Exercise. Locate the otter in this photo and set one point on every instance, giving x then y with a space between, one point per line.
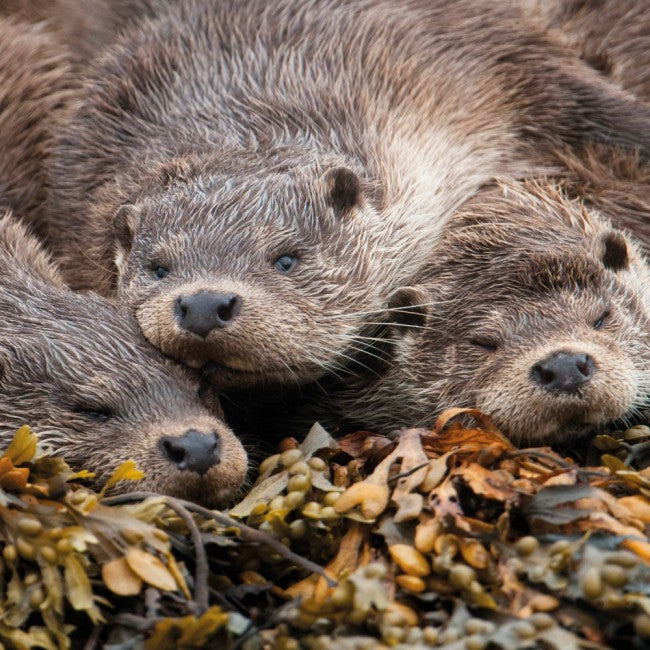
36 86
77 370
533 309
83 27
254 180
615 183
611 36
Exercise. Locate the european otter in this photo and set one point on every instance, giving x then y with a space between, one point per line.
84 27
611 36
77 370
36 86
532 309
615 183
254 179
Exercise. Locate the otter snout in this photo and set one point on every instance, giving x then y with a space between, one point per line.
563 372
205 311
194 451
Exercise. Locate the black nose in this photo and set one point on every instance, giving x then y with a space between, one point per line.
563 372
193 450
203 312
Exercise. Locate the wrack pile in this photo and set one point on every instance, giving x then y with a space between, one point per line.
446 538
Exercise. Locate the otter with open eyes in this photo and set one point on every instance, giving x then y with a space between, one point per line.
532 309
77 370
272 302
253 180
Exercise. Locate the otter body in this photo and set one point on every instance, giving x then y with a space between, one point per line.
254 179
36 86
77 370
611 36
546 329
613 182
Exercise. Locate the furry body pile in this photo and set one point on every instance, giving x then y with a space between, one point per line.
408 205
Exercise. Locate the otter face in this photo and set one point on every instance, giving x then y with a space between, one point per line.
79 373
262 278
539 319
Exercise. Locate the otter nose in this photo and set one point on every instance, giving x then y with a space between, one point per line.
563 372
205 311
193 450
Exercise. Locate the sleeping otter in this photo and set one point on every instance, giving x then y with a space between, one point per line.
78 371
532 309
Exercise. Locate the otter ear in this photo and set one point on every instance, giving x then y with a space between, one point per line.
408 307
125 221
343 189
615 254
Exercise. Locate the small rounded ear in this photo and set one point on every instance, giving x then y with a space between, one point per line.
343 189
409 307
125 221
615 254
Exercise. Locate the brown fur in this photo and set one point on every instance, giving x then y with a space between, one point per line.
615 183
77 370
613 36
218 126
521 274
35 88
84 27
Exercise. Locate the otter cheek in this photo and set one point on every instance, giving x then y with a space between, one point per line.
521 411
156 319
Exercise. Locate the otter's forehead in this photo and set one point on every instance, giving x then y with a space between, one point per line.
552 273
230 227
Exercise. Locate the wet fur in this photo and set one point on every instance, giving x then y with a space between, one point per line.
63 354
615 183
500 278
36 86
210 119
611 36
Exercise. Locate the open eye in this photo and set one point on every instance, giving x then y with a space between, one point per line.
160 272
601 320
285 263
484 342
94 414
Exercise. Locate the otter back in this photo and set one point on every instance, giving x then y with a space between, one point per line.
35 87
613 37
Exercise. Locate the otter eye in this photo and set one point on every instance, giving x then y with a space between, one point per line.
485 343
160 272
600 322
96 415
285 263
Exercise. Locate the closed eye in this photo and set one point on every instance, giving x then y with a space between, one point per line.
599 322
94 414
486 343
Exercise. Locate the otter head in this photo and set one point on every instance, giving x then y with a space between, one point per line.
259 277
536 312
78 371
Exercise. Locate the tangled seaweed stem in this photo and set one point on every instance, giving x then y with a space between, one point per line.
201 602
397 477
636 451
93 639
246 532
139 623
555 460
